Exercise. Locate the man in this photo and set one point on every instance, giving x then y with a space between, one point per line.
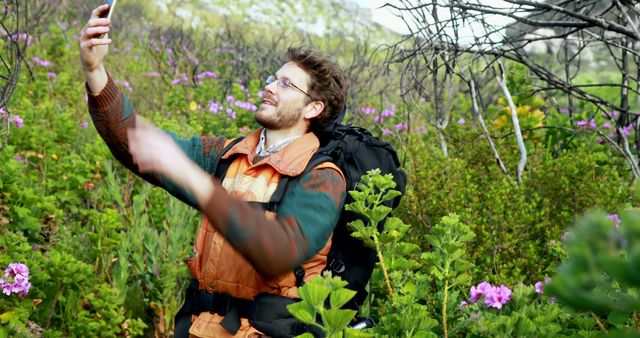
241 251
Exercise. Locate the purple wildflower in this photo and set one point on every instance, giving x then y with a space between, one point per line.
377 119
42 63
538 286
151 74
387 113
480 290
52 75
260 93
498 296
582 124
627 130
606 125
16 279
401 126
18 121
84 124
208 74
387 132
231 114
421 130
462 120
616 220
214 107
463 304
230 98
368 110
22 36
2 111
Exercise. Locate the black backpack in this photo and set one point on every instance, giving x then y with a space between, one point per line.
355 151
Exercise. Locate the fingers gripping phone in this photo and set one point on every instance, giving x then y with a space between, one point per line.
107 13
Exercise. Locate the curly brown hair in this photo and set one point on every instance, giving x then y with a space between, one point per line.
328 84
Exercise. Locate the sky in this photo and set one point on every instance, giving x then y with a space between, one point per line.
386 18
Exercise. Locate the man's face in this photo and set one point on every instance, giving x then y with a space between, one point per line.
282 108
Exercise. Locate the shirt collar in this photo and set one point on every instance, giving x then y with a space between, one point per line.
261 151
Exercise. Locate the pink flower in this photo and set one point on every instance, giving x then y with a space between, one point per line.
498 297
84 124
387 113
386 132
42 63
16 279
2 111
538 286
478 291
151 74
462 121
463 304
606 125
208 74
18 121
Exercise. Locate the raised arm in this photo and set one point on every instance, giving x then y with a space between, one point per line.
113 114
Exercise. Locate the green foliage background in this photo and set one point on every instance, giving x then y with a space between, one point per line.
105 250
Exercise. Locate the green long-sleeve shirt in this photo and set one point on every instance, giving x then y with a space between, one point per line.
306 218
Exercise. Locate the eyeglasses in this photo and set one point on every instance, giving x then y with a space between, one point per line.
285 83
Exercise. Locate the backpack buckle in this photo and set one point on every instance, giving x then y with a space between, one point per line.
337 266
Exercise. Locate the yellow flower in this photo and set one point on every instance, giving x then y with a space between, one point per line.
193 105
54 157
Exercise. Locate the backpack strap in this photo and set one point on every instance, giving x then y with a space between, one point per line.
221 165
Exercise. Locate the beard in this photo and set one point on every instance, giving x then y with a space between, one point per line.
286 116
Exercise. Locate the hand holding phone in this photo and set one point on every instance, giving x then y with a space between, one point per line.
107 13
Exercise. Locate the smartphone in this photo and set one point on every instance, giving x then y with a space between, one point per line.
107 13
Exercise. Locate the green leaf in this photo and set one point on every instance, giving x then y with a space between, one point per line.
618 318
391 194
314 294
340 297
379 213
305 335
338 319
351 333
303 311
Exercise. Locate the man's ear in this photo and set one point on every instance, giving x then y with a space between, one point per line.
314 109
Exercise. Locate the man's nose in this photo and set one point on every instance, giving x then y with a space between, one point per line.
271 87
